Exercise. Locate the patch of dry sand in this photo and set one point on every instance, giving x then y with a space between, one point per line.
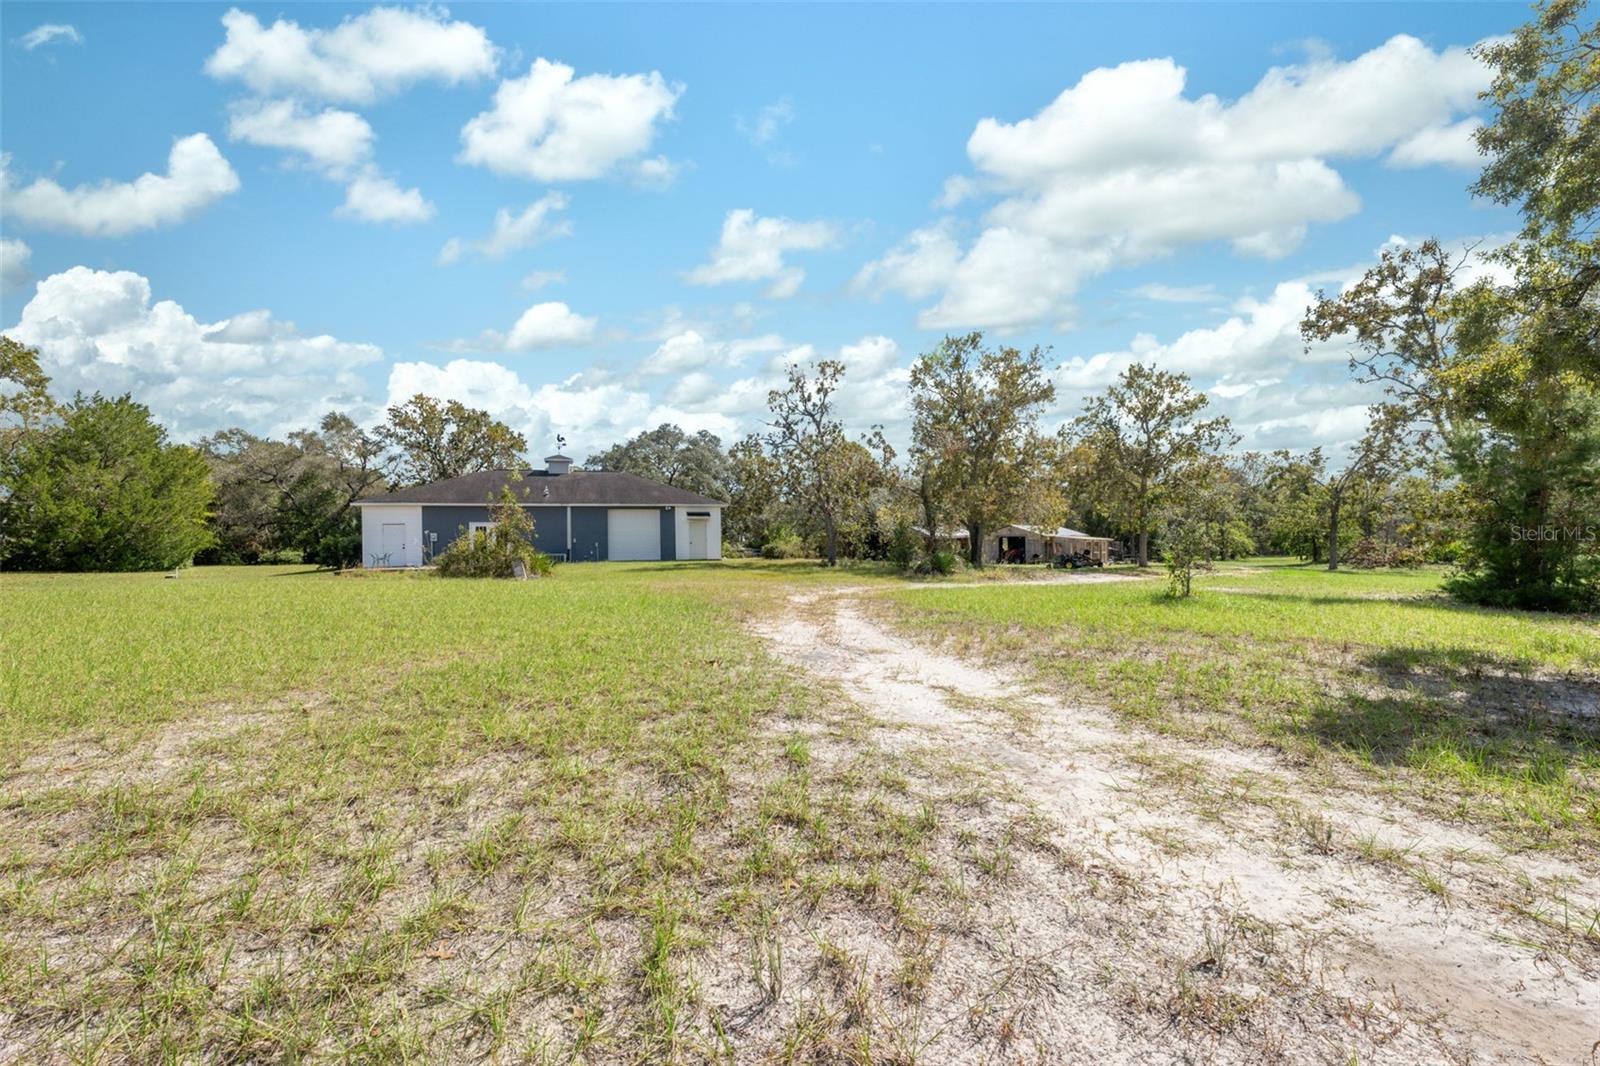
1357 955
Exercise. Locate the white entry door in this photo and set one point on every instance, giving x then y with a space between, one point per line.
394 543
698 528
633 534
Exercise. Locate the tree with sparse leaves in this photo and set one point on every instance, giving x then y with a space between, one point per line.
495 552
1398 313
25 403
817 467
975 442
1143 431
444 440
1381 451
1195 494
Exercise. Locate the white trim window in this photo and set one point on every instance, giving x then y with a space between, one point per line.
474 528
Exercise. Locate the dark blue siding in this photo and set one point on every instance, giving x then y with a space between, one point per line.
549 525
589 534
669 534
550 529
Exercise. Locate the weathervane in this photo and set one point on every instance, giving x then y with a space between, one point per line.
561 443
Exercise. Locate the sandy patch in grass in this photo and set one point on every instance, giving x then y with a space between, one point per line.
154 754
1308 925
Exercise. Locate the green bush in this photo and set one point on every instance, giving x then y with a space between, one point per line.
939 562
903 546
1188 546
101 488
1369 553
785 545
496 552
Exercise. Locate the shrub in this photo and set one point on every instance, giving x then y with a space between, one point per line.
938 562
1189 547
337 546
101 488
496 552
1444 551
1369 553
785 545
902 546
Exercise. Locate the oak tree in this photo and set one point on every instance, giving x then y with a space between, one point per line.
975 439
444 440
692 461
1143 431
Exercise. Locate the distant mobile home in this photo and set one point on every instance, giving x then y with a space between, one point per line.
578 515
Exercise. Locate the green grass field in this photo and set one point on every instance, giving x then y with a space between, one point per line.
264 814
270 814
1475 709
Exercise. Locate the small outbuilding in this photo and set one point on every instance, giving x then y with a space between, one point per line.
1017 543
578 515
1070 542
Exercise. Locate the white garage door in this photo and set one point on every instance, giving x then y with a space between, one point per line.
633 534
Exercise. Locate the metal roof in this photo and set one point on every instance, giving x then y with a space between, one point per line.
593 487
1062 533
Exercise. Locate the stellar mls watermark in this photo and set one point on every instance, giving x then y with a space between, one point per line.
1551 533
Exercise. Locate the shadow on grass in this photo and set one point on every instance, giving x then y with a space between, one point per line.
1456 664
1468 715
1505 684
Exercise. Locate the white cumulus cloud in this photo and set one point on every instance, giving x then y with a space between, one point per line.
920 266
364 58
330 139
371 197
544 325
1010 278
1454 145
339 144
591 415
551 126
690 351
1256 367
99 330
1126 165
751 248
197 176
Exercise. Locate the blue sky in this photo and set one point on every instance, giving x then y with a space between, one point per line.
590 219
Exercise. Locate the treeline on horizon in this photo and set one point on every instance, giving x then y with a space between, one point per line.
1485 452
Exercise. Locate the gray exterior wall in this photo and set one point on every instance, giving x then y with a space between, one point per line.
589 529
549 525
588 534
669 534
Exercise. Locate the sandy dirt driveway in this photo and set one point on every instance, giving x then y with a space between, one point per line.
1252 927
